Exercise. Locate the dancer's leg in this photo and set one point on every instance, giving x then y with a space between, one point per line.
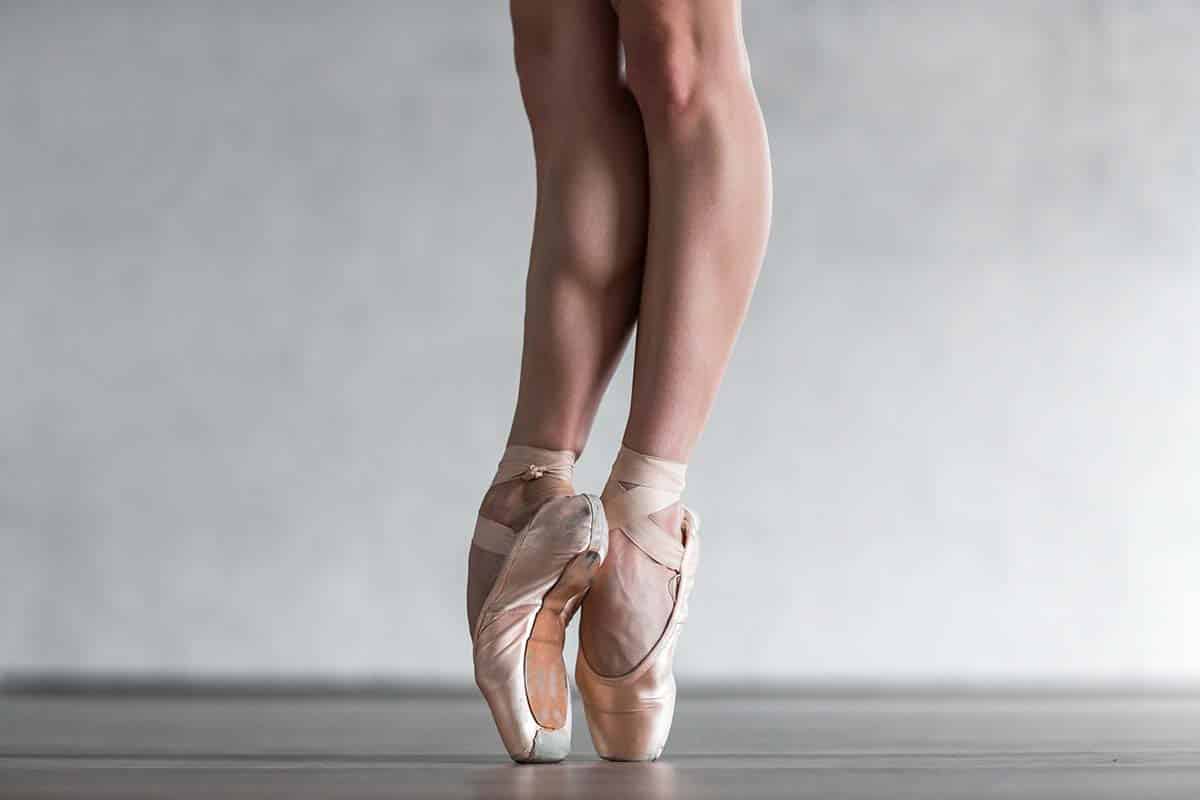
588 246
709 209
590 226
709 174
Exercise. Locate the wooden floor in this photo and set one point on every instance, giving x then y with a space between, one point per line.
808 746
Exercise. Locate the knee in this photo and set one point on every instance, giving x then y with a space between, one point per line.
675 64
533 40
543 62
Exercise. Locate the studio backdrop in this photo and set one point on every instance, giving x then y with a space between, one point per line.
261 272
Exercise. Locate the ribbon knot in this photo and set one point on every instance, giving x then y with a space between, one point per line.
533 472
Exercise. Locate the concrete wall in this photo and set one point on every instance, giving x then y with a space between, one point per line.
260 291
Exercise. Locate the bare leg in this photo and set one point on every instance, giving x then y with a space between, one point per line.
709 216
585 267
709 210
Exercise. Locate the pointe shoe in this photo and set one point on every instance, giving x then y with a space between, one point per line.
630 714
519 633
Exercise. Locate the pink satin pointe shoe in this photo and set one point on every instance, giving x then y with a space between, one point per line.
630 713
545 568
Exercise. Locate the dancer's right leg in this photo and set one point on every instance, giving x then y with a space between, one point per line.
589 239
536 545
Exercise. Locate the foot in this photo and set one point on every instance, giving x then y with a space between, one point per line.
511 504
631 598
536 548
633 613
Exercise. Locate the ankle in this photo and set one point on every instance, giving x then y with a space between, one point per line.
670 519
514 503
525 479
644 438
662 477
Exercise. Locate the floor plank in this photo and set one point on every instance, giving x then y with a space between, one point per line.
814 746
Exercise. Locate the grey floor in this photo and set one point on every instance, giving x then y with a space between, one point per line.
826 746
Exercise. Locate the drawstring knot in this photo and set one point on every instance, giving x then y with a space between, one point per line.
521 463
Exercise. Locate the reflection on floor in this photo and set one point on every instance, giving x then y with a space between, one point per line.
918 745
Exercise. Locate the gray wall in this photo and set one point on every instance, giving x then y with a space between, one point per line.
260 292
